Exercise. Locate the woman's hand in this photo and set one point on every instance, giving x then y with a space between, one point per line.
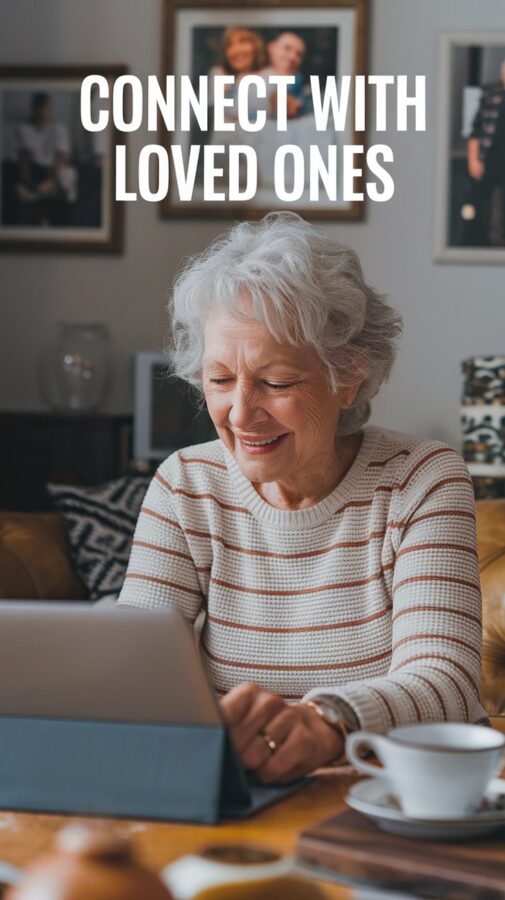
302 741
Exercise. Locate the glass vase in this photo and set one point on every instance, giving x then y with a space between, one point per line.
75 367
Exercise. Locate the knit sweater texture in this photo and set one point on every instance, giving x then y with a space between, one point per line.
372 595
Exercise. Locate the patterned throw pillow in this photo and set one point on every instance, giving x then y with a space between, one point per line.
100 522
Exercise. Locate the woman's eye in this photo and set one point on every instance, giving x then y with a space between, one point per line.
276 386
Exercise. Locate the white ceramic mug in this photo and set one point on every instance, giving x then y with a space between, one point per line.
435 770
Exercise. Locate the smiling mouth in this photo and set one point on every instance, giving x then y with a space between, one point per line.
263 446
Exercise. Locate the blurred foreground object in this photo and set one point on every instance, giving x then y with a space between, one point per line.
89 863
236 872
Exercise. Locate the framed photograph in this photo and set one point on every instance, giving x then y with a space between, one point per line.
470 225
288 37
56 178
165 415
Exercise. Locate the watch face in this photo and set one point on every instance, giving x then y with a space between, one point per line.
329 713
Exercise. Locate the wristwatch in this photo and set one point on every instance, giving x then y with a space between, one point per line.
334 718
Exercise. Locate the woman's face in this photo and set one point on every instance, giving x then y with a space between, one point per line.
286 53
271 403
240 52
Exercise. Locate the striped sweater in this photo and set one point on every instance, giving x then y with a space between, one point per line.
371 595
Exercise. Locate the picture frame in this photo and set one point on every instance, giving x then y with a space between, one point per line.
57 180
470 211
330 38
165 415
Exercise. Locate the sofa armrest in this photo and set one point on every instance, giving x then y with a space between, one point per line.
491 546
498 722
35 561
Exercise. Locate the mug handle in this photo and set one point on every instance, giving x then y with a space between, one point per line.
373 742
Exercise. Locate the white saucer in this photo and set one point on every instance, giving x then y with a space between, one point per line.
372 798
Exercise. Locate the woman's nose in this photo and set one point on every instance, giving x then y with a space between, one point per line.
244 409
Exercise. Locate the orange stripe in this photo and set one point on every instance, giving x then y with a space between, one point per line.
384 462
359 504
436 637
447 579
179 587
401 486
386 704
168 550
203 496
432 515
451 662
422 461
157 515
456 685
459 479
272 554
411 698
320 667
206 462
439 609
267 629
435 691
440 546
301 591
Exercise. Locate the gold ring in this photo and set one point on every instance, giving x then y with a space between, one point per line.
271 744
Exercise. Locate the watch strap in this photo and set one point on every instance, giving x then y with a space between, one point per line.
337 724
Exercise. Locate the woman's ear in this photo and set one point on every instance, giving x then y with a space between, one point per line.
355 376
348 394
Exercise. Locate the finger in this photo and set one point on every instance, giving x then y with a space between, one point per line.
256 753
299 771
296 753
281 724
236 704
262 746
257 719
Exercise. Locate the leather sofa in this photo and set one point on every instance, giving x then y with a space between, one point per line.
491 547
35 559
35 564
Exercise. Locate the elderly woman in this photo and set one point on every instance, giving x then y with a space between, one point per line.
335 562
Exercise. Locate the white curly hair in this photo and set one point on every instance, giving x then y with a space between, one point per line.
305 287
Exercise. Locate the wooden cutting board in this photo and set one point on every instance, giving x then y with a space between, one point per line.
353 846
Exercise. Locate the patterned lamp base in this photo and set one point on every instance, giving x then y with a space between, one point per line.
483 424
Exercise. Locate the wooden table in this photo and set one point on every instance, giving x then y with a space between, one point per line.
24 836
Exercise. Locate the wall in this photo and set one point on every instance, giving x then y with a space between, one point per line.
450 311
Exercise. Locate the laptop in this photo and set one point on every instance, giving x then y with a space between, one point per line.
109 711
